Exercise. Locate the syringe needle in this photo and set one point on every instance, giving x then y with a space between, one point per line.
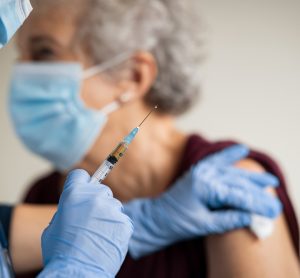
111 161
147 116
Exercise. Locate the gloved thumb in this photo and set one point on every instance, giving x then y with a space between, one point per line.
75 177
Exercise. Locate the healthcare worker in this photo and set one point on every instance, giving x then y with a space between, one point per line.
91 240
89 223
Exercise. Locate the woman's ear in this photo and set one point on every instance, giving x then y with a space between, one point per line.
143 73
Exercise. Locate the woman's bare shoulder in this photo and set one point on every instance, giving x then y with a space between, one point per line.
241 254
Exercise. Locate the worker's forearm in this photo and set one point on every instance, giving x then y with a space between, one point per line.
27 225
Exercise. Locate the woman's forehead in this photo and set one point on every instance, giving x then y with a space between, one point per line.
49 26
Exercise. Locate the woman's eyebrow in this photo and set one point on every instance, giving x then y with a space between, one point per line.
43 39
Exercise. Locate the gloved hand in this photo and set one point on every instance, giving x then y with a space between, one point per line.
89 234
213 197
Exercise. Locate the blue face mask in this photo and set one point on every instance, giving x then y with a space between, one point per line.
49 115
12 15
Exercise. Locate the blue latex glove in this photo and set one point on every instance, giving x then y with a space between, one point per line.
193 206
89 234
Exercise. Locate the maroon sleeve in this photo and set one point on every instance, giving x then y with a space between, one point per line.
44 191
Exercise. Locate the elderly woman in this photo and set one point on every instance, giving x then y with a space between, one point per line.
135 54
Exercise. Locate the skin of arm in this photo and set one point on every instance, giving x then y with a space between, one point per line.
241 254
28 223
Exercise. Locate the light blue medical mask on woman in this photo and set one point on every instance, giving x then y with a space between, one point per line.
48 114
12 15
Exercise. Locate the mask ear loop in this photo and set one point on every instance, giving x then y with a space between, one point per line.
112 107
107 65
125 97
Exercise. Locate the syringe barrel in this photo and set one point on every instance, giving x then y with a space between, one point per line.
102 171
110 162
118 152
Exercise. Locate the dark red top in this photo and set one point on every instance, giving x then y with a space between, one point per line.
185 259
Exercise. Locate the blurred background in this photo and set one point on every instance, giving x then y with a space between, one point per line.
251 90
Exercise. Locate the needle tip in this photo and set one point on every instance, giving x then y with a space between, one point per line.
156 106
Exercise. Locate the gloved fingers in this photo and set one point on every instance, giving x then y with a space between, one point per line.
260 179
248 198
75 177
208 168
243 182
229 155
228 220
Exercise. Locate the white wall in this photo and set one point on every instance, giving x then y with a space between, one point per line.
251 89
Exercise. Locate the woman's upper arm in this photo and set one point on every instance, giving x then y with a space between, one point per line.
241 254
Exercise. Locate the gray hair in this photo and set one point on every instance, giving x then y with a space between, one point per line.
169 29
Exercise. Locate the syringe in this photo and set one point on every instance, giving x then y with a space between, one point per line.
110 162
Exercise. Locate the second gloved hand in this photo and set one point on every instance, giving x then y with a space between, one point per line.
89 234
213 197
